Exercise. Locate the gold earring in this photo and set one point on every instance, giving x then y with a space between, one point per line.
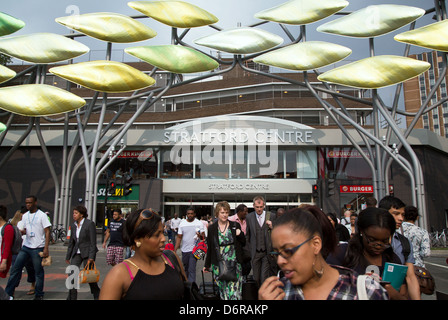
138 244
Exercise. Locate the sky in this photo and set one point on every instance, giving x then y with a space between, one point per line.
40 15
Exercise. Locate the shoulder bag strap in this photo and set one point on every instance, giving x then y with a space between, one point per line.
361 287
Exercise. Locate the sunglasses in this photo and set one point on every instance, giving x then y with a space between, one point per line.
287 253
145 215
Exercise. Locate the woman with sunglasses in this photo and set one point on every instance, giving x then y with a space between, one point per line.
149 274
301 240
370 248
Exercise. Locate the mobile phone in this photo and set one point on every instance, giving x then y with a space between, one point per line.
383 283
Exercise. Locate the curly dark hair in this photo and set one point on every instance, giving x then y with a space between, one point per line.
82 210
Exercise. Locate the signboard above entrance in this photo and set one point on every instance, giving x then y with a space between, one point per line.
239 130
356 189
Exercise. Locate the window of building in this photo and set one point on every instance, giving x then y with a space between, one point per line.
216 162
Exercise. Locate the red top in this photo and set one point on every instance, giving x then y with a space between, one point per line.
6 244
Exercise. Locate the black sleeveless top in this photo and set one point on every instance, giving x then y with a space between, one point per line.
166 286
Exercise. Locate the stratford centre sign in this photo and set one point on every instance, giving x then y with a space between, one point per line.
209 140
238 136
239 130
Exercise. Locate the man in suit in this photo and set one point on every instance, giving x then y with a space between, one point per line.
82 247
258 237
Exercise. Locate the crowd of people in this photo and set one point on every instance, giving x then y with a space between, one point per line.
297 254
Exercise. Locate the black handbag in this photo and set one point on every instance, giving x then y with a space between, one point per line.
227 270
191 289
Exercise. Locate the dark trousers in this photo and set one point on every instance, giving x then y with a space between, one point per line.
261 267
94 289
189 262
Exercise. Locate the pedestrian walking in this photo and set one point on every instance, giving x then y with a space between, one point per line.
225 242
370 248
401 245
114 233
419 237
37 229
342 233
6 242
301 239
190 232
31 275
82 247
240 215
175 227
148 274
258 237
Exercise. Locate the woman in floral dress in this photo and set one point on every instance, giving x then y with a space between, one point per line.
225 237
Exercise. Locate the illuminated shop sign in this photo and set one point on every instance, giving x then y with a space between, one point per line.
356 189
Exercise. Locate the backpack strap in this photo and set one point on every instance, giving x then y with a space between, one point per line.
405 245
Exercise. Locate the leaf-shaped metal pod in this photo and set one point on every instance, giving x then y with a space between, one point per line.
107 26
178 14
6 74
376 72
9 24
299 12
373 21
305 55
104 76
241 40
433 36
42 48
35 100
173 58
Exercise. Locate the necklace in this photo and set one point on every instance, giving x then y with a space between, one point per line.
225 227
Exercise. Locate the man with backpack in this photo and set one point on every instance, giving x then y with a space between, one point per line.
401 245
36 227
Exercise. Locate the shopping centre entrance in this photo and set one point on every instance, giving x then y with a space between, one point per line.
204 204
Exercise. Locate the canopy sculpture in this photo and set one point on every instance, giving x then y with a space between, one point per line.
108 26
37 100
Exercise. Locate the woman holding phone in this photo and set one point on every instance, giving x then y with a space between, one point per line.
301 239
